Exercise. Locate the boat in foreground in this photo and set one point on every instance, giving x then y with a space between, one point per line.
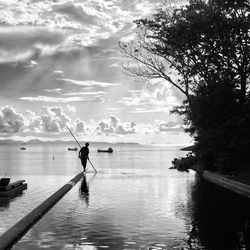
13 188
109 150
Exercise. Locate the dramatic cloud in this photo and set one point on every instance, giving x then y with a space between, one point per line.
22 43
10 120
50 124
75 12
33 123
49 119
65 53
115 126
54 120
34 28
80 126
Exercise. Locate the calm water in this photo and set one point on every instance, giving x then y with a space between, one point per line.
133 202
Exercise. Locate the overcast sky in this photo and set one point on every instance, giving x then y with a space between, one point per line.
60 64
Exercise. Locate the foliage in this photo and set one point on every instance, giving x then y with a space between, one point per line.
184 163
203 49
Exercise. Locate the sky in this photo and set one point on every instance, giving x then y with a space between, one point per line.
60 64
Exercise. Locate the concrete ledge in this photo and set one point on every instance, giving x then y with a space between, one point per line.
16 232
227 183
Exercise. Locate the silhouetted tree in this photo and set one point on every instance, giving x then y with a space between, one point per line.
202 49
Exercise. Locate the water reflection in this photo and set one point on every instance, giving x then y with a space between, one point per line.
84 188
219 218
5 201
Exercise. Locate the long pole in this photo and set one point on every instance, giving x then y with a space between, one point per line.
74 137
80 147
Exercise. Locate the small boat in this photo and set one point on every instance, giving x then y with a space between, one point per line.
72 149
11 189
22 148
109 150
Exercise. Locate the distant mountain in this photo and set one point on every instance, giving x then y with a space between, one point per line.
37 141
9 141
125 143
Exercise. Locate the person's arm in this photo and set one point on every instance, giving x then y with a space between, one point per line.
79 153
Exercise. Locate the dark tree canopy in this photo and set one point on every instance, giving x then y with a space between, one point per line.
202 49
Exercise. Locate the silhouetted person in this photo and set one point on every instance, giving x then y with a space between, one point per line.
84 190
84 155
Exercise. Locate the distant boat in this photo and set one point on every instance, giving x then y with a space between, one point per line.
22 148
72 149
109 150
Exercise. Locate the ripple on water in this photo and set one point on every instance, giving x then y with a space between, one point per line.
130 204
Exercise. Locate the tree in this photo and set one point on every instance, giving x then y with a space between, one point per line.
202 49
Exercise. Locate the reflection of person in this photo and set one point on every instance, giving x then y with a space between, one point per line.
84 190
84 155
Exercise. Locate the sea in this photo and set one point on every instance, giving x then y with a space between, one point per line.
134 201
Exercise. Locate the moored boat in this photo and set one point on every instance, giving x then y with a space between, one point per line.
109 150
72 149
22 148
12 188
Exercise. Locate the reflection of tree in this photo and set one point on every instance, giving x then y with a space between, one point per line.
219 218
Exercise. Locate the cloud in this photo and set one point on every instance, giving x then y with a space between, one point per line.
50 124
80 126
83 23
57 90
89 83
49 119
164 126
76 12
95 93
114 126
152 110
33 123
71 108
58 99
58 72
22 43
156 96
10 120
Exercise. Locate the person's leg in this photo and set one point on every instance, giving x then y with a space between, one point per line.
84 163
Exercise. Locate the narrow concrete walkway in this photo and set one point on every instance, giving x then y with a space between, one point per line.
16 232
228 183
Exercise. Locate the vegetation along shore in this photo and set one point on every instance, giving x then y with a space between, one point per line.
203 50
